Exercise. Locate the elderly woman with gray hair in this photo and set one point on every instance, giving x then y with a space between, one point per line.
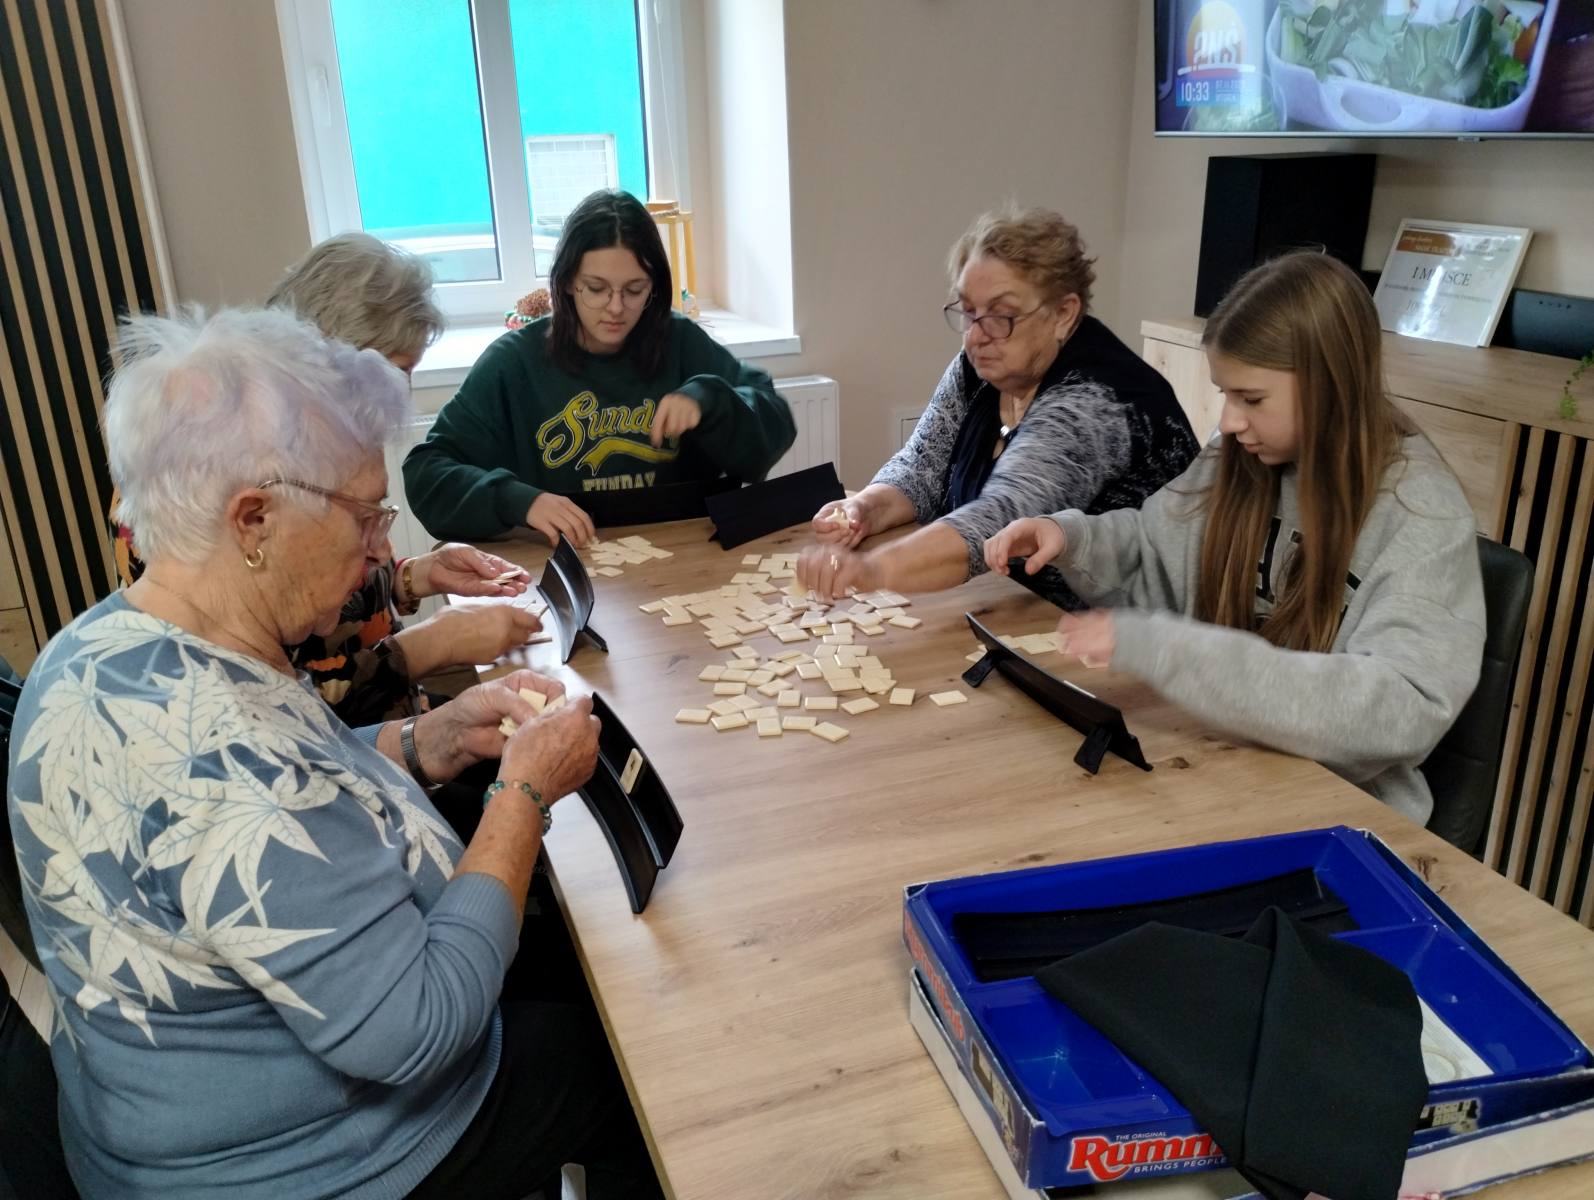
360 290
1042 404
275 970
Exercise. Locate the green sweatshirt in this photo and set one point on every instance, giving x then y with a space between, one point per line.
519 426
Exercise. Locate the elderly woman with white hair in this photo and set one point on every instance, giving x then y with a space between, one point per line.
360 290
275 970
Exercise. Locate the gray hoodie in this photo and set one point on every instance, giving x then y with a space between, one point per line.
1403 664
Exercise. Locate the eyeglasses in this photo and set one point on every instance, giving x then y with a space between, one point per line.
996 326
374 519
596 295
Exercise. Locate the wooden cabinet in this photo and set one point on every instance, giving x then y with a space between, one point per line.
1528 473
1184 365
17 645
1473 447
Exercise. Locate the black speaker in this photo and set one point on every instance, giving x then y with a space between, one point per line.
1259 206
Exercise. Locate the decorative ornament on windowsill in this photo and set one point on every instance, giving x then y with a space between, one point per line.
675 232
528 308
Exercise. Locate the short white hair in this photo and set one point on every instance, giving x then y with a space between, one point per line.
199 407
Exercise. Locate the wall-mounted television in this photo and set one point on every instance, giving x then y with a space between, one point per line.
1375 68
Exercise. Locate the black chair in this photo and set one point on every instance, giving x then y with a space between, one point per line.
1465 766
13 917
32 1166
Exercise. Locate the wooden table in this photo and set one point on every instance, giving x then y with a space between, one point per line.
757 1007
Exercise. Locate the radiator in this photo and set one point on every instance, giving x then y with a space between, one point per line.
813 400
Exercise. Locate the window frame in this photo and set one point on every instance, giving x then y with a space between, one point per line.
326 160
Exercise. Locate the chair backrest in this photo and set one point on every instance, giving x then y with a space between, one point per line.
32 1166
13 917
1464 767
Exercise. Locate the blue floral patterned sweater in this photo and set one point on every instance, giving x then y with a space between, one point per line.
267 981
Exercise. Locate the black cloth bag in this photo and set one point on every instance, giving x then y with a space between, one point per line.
1298 1052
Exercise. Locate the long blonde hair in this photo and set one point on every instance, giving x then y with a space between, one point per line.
1311 315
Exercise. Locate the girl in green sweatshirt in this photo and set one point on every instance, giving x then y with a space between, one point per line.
1312 582
613 393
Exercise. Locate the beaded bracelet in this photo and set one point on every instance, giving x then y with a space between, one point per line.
499 785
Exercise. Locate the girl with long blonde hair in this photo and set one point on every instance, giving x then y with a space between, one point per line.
1311 583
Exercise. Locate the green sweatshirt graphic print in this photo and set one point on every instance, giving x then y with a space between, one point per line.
519 426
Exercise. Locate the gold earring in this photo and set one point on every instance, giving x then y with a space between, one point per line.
255 559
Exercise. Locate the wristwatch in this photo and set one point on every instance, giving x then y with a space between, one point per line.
391 654
404 581
412 758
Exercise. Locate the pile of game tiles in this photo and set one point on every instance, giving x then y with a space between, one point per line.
752 691
609 558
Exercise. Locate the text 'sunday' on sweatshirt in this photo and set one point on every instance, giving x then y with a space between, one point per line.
1405 660
519 425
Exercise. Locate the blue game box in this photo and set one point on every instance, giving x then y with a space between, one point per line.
1072 1109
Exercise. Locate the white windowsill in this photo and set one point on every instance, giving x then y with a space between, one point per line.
451 357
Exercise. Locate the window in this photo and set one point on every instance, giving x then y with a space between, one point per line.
466 130
560 170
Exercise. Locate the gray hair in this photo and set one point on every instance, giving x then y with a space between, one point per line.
1037 243
198 408
361 290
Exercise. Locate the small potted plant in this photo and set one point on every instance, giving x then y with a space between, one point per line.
528 308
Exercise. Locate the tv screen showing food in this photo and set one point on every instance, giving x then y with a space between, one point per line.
1376 68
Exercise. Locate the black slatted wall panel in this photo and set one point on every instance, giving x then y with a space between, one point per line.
74 253
1542 835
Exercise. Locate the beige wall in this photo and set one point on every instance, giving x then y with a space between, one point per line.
1547 186
908 117
694 65
749 184
215 110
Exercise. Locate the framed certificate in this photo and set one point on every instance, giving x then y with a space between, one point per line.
1447 282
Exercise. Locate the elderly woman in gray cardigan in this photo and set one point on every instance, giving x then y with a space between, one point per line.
275 971
1042 409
